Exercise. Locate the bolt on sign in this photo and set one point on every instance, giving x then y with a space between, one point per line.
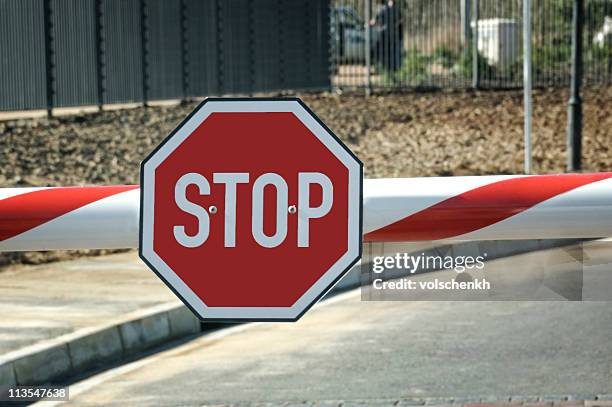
251 209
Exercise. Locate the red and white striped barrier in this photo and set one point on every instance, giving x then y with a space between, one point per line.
69 218
402 209
488 207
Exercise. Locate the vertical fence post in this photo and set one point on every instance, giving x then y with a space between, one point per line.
332 64
220 55
466 29
49 63
368 47
99 53
465 22
143 37
251 30
527 81
184 50
574 109
475 64
306 35
281 44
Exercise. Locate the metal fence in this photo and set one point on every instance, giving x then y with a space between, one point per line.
431 43
56 53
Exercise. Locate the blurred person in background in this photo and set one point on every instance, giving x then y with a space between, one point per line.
388 50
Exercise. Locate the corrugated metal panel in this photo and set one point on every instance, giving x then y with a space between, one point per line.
22 55
164 59
266 45
74 45
191 48
235 42
202 55
121 51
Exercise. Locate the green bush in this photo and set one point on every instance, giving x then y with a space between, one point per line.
550 56
415 67
546 60
416 64
444 56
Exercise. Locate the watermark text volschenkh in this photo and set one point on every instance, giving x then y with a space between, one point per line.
412 264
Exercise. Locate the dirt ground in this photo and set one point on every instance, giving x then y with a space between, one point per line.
395 135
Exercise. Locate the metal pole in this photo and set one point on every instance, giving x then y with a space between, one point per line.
574 109
368 48
475 73
527 81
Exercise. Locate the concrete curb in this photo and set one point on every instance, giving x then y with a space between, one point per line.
79 351
84 349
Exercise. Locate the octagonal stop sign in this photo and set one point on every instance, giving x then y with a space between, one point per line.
250 209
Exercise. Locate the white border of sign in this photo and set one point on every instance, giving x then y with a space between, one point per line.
329 278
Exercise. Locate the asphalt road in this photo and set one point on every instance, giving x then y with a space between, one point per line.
354 350
347 349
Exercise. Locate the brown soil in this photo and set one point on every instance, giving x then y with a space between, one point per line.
395 135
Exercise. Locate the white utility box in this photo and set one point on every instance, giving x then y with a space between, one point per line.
498 40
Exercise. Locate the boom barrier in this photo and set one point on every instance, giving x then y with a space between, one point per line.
394 209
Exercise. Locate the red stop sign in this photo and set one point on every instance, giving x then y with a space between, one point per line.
250 209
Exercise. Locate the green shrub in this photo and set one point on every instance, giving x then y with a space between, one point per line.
444 56
551 56
416 64
415 67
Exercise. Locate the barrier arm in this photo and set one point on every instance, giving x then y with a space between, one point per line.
397 209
